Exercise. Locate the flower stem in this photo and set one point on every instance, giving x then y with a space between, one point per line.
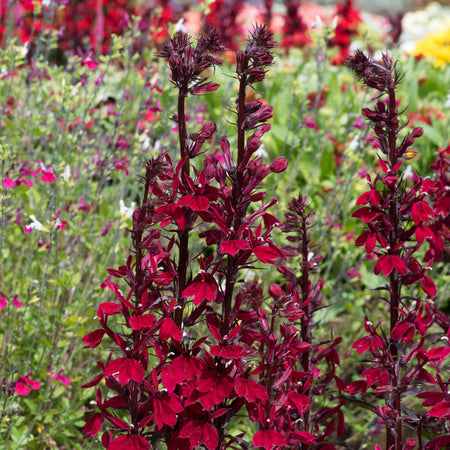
183 235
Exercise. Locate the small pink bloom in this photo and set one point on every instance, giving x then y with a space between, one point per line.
17 304
89 62
309 122
64 380
27 183
22 389
3 302
8 183
33 384
48 177
99 79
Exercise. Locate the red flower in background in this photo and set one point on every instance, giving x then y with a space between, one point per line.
348 19
294 29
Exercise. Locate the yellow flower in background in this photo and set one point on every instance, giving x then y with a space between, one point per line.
435 45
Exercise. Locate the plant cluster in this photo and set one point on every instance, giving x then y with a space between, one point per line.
197 342
88 26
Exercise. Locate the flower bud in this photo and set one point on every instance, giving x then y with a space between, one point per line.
278 165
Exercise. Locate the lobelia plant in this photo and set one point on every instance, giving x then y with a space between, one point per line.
400 236
190 349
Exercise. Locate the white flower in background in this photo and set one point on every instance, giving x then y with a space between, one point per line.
447 103
35 224
356 45
24 50
317 23
74 91
124 210
417 24
408 173
179 27
46 3
145 140
261 151
334 23
354 144
66 174
379 54
3 73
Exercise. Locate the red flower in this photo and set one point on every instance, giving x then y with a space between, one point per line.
421 212
387 263
250 390
200 432
129 442
166 409
127 368
268 439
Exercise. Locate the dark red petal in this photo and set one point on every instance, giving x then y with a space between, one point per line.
142 322
232 247
268 439
428 286
266 254
442 409
93 339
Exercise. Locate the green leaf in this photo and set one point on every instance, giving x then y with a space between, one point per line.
433 135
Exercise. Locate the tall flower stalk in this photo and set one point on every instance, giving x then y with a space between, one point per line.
183 369
397 218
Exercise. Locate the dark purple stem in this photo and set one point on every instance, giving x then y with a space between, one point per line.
306 318
232 266
391 438
183 235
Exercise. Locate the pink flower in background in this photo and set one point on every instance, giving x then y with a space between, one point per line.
24 383
309 122
48 176
3 302
89 62
8 183
15 302
60 377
